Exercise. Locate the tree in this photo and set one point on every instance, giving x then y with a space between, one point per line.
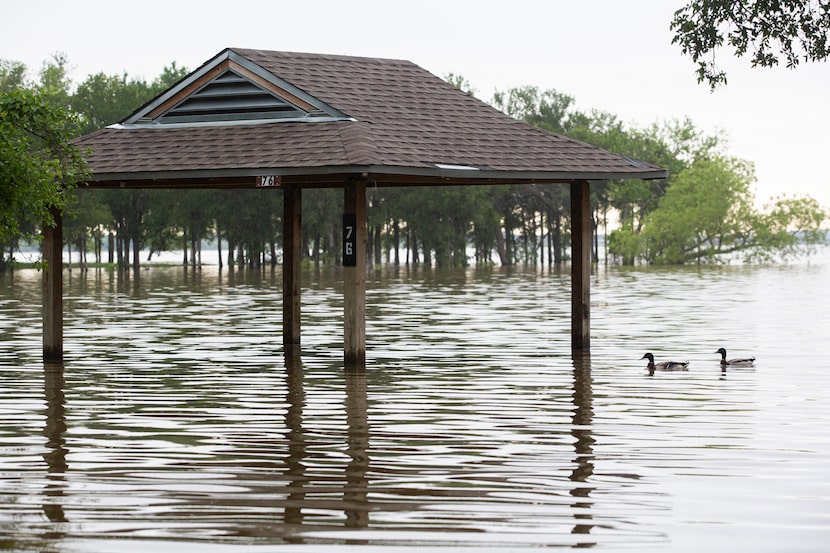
462 84
12 76
793 30
55 83
537 211
106 99
321 223
101 100
170 75
87 219
673 145
546 109
38 164
707 213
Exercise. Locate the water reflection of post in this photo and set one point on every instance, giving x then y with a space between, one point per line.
355 494
295 397
54 430
581 431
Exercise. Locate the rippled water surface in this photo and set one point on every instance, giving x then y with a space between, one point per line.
177 423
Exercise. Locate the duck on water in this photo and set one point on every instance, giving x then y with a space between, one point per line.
737 362
664 365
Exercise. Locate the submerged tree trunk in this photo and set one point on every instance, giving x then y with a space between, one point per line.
408 244
557 239
501 248
194 251
219 245
118 240
82 261
333 257
594 239
136 253
315 249
414 244
378 245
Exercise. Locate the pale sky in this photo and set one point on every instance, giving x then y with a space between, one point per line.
612 55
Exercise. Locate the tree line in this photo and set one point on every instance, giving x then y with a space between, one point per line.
702 212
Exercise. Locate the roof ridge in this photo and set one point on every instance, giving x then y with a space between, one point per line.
317 55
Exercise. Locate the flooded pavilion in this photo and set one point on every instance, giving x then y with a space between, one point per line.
289 121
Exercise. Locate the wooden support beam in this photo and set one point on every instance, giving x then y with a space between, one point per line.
53 290
581 265
292 264
354 274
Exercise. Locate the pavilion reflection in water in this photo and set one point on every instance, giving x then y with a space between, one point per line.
307 493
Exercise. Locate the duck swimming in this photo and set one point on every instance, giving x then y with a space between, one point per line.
664 365
738 362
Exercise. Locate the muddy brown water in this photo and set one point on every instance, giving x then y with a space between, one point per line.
176 422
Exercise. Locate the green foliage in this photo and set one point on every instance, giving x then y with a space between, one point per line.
706 211
55 84
769 30
441 218
790 227
322 216
167 218
39 165
546 109
461 83
37 161
103 99
106 99
249 219
12 76
626 243
701 213
707 214
170 75
673 144
87 219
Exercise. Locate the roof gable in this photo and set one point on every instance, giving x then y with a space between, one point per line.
229 89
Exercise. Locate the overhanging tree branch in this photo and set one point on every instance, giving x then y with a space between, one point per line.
770 30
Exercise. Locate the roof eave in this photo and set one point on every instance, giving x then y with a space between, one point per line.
381 174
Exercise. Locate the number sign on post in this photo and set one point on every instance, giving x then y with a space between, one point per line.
267 181
349 240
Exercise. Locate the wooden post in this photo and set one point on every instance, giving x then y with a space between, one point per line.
292 263
354 274
53 290
581 265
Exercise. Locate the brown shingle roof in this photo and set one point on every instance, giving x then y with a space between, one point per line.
402 121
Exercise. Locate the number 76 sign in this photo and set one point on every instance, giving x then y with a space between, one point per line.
349 239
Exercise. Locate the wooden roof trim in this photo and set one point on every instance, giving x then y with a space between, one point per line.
189 89
215 72
230 61
271 87
334 176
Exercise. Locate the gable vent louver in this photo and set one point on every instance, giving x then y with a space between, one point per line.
230 97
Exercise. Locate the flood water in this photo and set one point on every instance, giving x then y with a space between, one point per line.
177 423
